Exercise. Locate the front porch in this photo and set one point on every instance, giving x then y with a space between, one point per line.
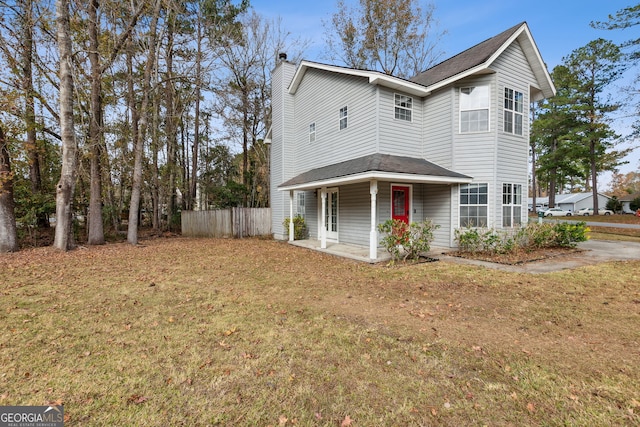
396 174
356 252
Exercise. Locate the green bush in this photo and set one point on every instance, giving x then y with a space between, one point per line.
568 235
407 241
300 231
533 236
615 205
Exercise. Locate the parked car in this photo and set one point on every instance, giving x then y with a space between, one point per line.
589 211
556 212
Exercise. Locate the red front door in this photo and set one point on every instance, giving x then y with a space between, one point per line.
400 203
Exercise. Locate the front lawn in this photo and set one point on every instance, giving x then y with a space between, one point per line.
255 332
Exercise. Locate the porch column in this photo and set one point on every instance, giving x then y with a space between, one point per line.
373 234
291 235
323 224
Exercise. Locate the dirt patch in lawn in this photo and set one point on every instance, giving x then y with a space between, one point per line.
519 257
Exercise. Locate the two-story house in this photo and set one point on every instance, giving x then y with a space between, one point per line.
352 148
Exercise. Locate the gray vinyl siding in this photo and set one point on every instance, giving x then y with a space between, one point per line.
437 207
311 213
354 214
399 137
513 72
439 122
318 100
475 153
282 158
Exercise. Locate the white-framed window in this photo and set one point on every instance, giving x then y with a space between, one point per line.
312 132
511 205
474 203
300 208
403 107
513 111
474 109
343 117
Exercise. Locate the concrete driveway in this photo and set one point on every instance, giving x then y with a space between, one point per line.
594 251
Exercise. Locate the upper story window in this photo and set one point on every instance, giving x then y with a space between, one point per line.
404 107
474 109
343 117
312 132
513 111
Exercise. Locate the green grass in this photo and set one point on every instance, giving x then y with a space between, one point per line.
254 332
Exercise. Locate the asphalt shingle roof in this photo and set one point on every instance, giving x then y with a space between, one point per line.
466 60
374 163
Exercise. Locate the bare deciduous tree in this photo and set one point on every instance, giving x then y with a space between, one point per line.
397 37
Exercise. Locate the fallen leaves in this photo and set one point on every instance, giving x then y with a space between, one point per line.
137 399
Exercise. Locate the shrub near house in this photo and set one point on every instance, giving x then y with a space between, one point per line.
533 236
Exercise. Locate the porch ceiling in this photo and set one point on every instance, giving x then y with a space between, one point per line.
382 167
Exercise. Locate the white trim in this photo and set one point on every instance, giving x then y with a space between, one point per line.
528 46
513 112
373 233
346 118
490 222
460 110
375 78
411 110
523 35
380 176
324 233
311 141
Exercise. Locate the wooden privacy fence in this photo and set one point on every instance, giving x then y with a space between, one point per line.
233 222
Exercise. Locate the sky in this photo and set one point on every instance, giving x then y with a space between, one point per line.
558 27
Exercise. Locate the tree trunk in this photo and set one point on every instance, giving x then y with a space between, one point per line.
171 127
155 169
8 232
66 186
594 177
31 144
96 228
134 205
196 138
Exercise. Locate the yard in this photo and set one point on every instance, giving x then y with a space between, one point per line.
256 332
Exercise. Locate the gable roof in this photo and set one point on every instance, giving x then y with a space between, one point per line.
475 60
374 166
374 77
478 59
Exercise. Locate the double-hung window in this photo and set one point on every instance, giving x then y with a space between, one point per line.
513 111
301 210
343 117
403 107
511 205
474 109
473 205
312 132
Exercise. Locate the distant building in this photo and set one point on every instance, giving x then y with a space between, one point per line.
626 202
571 202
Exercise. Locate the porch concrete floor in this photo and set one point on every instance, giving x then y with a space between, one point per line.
355 252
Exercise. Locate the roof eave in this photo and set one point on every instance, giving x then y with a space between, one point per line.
376 175
375 78
532 53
